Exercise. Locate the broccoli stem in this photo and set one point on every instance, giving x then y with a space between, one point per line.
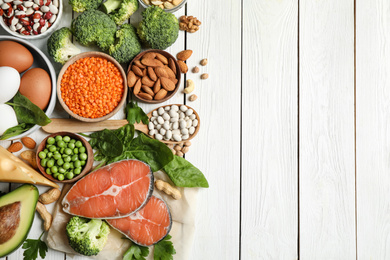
111 5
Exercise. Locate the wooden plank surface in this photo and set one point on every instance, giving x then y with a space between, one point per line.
372 128
326 130
269 130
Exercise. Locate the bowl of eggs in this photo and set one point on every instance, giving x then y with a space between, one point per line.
27 88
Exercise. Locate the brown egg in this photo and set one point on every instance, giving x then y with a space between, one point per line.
15 55
35 84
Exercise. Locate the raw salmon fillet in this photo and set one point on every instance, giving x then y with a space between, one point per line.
115 190
148 225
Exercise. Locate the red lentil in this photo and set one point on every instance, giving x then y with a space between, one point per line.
92 87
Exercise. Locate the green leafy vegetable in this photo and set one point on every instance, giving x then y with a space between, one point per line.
16 130
27 112
136 114
184 174
164 249
107 142
33 246
136 252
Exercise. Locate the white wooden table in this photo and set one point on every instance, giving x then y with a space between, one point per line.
295 136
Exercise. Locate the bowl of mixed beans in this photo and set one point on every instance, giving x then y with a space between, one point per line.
92 86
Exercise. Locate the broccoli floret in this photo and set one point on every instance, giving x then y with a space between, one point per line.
158 28
87 236
60 46
120 10
83 5
94 26
127 44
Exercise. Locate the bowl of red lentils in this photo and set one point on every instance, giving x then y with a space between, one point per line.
92 86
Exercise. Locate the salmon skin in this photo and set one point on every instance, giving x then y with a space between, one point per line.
147 226
116 190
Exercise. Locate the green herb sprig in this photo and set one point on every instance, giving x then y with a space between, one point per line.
33 246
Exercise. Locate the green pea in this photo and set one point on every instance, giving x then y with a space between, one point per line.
51 140
66 139
75 157
61 144
46 150
68 151
58 138
83 156
66 165
44 162
54 169
71 146
62 150
60 177
50 163
82 163
60 162
72 141
48 171
42 155
69 175
82 149
57 156
77 163
55 175
71 165
79 144
49 154
52 148
61 170
77 170
76 150
67 159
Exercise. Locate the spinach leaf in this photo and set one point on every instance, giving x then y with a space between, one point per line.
27 112
125 134
150 151
136 114
16 130
108 143
184 174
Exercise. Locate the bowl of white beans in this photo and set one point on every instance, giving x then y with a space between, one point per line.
174 123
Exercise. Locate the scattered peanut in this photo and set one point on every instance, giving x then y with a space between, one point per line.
168 189
189 23
204 76
195 69
185 149
50 196
177 148
45 215
190 86
187 143
179 153
193 97
30 157
203 62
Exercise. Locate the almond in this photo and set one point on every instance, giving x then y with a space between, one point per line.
184 55
162 58
152 62
151 74
167 84
160 72
170 73
149 55
157 86
147 90
161 94
145 96
29 142
131 79
139 64
183 67
15 147
144 72
137 71
147 81
137 87
172 65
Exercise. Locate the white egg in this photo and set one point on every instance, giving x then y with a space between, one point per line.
8 118
9 84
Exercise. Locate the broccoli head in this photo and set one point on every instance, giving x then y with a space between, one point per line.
60 46
87 236
158 28
83 5
120 10
127 45
94 26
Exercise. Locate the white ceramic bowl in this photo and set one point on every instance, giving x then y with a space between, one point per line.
38 36
40 61
172 10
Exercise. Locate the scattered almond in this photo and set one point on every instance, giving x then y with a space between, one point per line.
15 147
183 67
28 142
184 55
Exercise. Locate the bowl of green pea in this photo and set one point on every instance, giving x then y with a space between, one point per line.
64 157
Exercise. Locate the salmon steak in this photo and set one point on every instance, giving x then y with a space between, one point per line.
116 190
147 226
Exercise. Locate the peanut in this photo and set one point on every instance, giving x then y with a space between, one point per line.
168 189
195 69
193 97
179 153
30 157
185 149
50 196
190 86
45 215
203 62
204 76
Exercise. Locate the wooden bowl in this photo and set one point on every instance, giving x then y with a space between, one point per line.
87 167
84 55
177 72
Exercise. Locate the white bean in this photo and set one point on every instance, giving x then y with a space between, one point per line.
166 116
29 11
55 2
167 108
174 119
183 108
168 135
53 9
45 9
183 124
12 28
175 125
163 131
184 131
185 137
173 113
177 138
195 123
182 115
160 120
189 112
188 123
166 125
192 117
151 126
158 127
158 137
17 2
155 122
175 108
153 118
176 132
1 2
28 4
154 113
18 26
191 130
152 132
161 111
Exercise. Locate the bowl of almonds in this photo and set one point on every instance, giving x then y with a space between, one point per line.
154 76
168 5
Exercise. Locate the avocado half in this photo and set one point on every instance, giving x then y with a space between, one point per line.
17 209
